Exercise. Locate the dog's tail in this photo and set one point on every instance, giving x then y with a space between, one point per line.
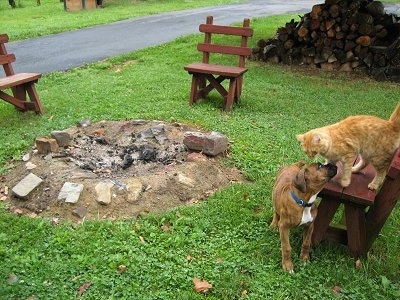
395 118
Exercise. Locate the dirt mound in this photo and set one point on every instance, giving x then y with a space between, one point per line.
144 164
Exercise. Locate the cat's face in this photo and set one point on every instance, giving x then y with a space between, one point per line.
312 143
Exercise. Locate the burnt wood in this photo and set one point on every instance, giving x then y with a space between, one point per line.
18 89
207 76
365 211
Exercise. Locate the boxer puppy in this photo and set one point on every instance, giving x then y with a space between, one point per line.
293 196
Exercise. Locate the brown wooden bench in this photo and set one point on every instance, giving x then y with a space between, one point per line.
14 88
216 73
365 211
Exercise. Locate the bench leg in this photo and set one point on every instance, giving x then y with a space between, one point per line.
356 229
231 96
381 210
19 99
34 97
326 211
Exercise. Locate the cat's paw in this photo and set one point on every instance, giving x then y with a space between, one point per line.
373 186
345 182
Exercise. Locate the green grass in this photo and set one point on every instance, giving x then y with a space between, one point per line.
30 20
225 240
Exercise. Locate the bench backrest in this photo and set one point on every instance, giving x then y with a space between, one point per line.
5 58
209 47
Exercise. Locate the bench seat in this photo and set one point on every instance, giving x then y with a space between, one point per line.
227 71
18 79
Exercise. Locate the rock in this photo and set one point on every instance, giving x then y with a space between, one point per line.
80 212
196 157
46 145
134 188
26 185
103 190
70 192
63 138
30 166
211 144
215 144
26 157
194 140
185 180
85 123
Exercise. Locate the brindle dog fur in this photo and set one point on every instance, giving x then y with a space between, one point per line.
305 182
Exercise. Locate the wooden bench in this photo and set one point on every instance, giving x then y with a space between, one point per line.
215 73
365 211
20 85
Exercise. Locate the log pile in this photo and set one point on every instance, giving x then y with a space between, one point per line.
343 35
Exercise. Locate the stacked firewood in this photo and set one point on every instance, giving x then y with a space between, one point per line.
344 35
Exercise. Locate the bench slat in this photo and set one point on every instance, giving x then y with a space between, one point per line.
358 191
6 59
17 79
224 49
229 71
228 30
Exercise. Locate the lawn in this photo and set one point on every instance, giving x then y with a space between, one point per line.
224 240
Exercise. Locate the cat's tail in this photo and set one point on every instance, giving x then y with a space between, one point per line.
395 117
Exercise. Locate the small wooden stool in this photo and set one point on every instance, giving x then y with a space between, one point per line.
365 211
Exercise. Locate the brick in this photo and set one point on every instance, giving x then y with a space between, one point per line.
46 145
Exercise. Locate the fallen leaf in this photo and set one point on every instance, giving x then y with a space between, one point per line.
337 290
83 288
358 264
141 239
121 269
201 286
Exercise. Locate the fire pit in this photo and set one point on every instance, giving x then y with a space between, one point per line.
138 166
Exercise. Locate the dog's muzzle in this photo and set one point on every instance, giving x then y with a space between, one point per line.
332 170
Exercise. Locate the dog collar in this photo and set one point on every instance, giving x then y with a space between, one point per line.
299 201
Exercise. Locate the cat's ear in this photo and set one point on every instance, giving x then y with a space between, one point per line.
316 139
300 181
300 137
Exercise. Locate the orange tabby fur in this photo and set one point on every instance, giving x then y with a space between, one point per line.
374 139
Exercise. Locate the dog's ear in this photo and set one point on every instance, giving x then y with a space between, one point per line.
300 180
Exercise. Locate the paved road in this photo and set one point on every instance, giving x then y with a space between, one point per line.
63 51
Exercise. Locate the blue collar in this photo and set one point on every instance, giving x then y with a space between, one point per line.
299 201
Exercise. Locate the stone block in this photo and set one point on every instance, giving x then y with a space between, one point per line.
26 185
210 144
46 145
63 138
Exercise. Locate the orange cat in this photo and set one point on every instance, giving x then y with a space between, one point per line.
374 139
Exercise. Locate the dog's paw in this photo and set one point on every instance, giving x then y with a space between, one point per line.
288 267
305 257
274 225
